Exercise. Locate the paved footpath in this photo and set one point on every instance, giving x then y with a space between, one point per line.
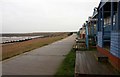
41 61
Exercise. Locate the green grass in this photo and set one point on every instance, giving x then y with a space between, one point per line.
68 65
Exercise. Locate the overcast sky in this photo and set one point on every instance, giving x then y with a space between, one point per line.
45 15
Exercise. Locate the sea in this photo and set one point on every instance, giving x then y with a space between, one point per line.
9 39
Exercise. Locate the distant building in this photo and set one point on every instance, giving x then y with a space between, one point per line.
82 32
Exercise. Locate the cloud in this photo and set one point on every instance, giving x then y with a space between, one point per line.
45 15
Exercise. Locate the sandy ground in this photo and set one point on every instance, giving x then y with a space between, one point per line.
13 49
41 61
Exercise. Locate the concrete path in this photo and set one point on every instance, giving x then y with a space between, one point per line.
41 61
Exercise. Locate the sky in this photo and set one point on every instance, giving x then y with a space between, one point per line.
26 16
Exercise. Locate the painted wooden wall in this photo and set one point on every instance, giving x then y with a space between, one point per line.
115 44
99 36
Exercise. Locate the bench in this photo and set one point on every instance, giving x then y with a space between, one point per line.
76 46
79 46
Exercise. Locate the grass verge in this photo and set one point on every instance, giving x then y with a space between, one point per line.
67 67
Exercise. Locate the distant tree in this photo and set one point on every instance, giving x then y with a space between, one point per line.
70 33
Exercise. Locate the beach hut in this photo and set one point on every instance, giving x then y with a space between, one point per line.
92 30
82 32
108 30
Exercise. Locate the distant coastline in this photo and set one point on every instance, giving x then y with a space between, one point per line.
15 48
20 37
31 34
